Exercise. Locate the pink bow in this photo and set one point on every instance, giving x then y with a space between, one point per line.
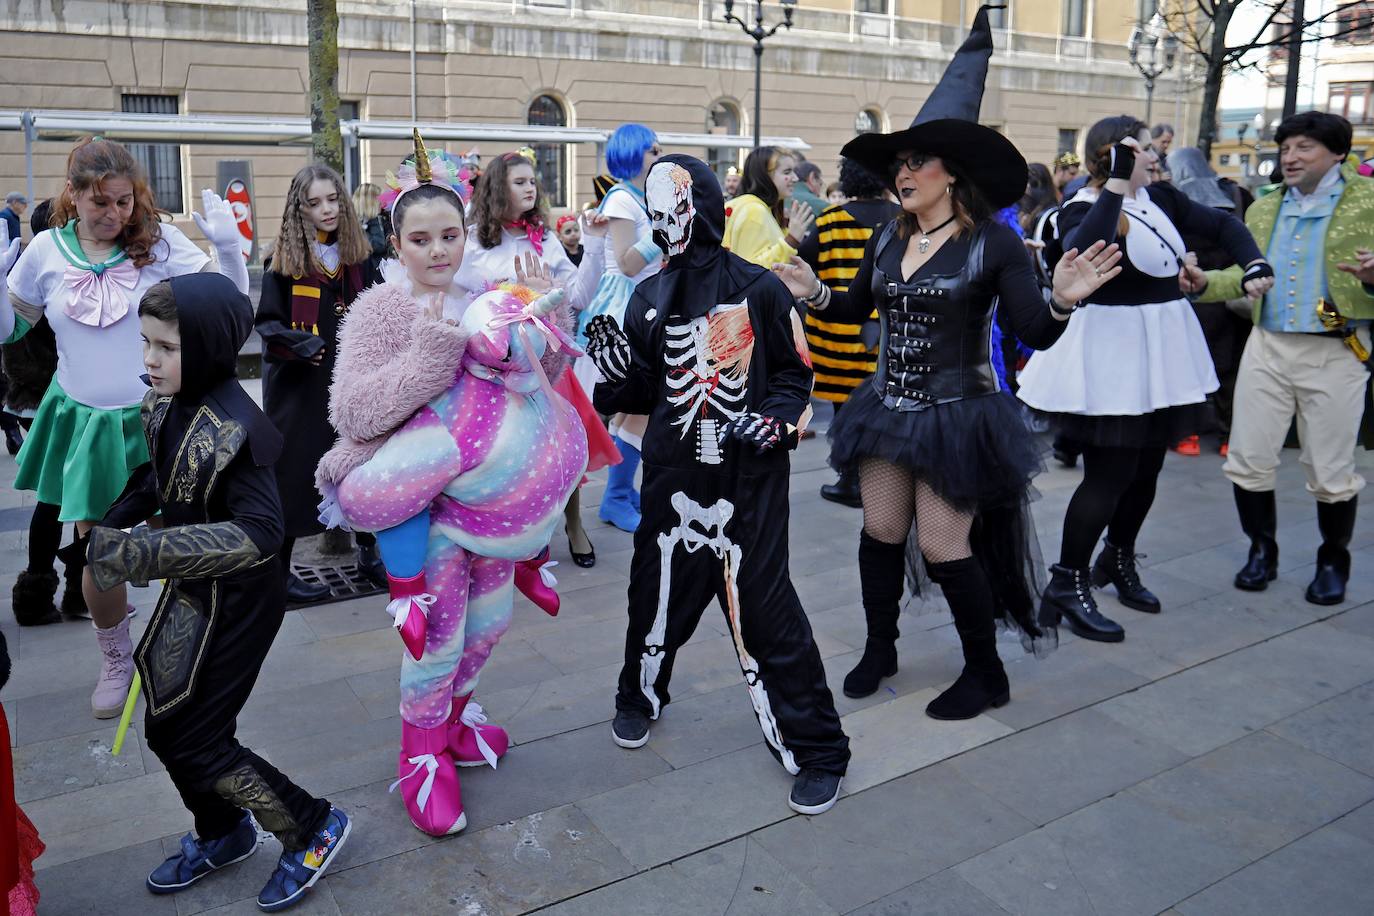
521 319
100 297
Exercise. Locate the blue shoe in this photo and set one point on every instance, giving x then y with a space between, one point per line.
197 858
298 871
618 503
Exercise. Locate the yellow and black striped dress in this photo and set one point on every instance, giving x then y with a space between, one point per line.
839 358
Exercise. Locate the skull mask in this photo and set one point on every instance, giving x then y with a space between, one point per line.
668 196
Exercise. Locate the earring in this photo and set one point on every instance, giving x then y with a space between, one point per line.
949 188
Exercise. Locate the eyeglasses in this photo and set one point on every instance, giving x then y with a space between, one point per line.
915 162
655 151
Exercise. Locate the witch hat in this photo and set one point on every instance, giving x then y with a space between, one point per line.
947 126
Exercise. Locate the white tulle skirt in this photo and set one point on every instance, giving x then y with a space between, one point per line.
1122 361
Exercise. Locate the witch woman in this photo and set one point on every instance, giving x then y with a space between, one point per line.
933 437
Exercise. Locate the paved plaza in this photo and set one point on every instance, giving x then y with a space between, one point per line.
1219 761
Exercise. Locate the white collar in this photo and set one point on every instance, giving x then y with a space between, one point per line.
1326 184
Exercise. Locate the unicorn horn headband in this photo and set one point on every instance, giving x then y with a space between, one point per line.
426 167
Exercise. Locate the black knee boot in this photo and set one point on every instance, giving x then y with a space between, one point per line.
1070 595
73 599
1116 565
1337 523
983 682
1259 520
32 597
881 572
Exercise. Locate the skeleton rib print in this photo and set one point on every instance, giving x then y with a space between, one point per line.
708 390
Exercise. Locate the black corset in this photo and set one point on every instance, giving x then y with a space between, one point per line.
935 342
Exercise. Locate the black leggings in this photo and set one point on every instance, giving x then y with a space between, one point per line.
1117 491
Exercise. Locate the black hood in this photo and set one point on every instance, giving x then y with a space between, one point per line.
214 320
703 274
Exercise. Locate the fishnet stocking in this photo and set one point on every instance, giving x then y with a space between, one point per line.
893 496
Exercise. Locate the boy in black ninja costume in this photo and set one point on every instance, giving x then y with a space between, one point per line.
713 353
211 475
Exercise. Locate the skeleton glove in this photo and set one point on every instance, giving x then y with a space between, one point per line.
608 347
762 432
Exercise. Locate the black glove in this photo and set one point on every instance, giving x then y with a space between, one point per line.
1256 271
1123 161
762 432
608 347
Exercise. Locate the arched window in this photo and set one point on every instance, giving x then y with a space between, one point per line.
551 159
722 118
868 121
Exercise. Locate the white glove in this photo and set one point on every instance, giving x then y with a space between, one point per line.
221 227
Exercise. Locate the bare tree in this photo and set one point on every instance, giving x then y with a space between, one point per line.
323 27
1204 28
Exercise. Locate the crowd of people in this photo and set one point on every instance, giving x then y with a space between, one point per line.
445 362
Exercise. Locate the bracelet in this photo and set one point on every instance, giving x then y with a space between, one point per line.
1062 313
820 291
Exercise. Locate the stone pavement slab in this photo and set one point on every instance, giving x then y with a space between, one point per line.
942 894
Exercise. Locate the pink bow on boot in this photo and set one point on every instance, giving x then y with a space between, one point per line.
534 579
409 610
471 741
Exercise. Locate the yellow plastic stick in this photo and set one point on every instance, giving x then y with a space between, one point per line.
134 688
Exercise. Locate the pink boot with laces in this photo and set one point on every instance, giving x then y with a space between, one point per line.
116 670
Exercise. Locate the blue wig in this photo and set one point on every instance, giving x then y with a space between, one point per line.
626 148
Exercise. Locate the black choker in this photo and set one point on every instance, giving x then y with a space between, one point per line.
923 243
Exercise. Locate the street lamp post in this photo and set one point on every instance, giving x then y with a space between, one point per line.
759 34
1152 48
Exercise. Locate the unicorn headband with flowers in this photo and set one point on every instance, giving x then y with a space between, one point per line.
435 168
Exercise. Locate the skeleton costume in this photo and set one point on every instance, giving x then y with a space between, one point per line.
712 351
211 475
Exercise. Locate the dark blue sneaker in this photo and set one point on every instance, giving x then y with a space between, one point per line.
298 871
197 859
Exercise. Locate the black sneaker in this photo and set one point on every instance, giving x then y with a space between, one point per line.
630 728
814 791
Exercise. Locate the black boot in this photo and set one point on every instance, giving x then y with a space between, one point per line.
844 491
32 599
1116 565
1070 595
983 682
370 563
882 569
1259 520
73 599
1336 521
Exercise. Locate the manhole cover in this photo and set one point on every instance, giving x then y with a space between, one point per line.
344 582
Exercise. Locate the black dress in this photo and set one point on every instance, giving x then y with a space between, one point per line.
295 391
935 405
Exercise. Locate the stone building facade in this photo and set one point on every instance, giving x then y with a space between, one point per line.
672 64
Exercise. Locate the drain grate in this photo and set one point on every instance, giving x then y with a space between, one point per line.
344 582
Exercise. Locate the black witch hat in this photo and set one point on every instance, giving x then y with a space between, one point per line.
947 126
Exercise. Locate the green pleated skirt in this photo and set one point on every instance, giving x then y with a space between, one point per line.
78 457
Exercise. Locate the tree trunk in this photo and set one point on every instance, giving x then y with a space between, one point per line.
326 142
1216 71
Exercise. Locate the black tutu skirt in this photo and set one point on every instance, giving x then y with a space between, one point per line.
1157 429
978 455
975 453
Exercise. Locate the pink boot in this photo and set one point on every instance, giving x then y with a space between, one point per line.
471 741
409 609
428 781
534 579
116 670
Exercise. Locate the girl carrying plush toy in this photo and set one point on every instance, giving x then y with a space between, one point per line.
470 484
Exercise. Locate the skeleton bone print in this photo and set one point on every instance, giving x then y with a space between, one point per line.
708 370
700 527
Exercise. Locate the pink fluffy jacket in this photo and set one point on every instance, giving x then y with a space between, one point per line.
392 361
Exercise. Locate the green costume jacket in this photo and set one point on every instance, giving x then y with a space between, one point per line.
1351 227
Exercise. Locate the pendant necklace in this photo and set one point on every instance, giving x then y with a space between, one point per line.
923 243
